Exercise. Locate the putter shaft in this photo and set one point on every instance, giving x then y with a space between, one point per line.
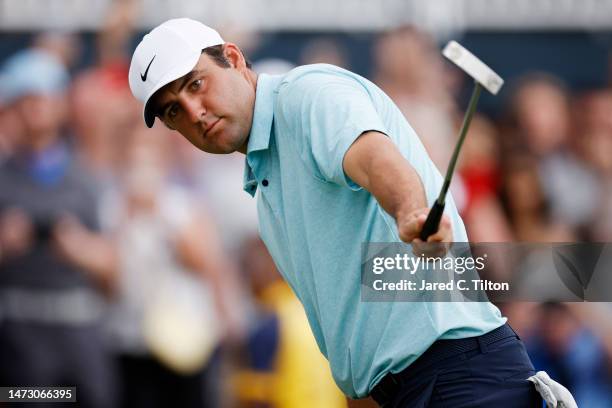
435 214
467 119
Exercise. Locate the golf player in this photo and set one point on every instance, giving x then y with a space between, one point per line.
335 165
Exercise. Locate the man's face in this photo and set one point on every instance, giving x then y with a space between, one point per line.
212 106
42 117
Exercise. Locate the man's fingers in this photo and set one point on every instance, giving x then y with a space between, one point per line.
413 224
418 246
444 232
437 243
413 228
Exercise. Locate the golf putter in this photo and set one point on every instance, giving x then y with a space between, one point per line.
483 77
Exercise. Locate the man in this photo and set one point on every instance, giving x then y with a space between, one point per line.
337 165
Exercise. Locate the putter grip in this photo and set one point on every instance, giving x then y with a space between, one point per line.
433 221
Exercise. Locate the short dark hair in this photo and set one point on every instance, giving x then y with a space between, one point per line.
216 53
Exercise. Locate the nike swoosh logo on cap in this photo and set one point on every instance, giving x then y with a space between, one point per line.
144 76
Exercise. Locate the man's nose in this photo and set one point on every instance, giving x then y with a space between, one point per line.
194 109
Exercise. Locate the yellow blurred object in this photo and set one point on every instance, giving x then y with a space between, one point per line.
179 326
301 376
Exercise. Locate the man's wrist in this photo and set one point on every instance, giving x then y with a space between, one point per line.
405 211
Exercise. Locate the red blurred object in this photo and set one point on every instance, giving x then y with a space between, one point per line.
481 180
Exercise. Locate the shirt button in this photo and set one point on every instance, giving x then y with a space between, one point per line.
264 182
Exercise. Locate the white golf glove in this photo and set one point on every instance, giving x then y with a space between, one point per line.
555 395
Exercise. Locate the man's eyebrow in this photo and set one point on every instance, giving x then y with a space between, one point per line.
184 81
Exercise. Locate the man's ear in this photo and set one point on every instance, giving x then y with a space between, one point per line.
234 55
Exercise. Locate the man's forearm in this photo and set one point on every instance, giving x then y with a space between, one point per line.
396 186
376 164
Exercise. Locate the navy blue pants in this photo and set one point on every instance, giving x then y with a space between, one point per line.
491 375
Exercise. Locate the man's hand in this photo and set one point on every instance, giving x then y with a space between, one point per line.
93 253
409 228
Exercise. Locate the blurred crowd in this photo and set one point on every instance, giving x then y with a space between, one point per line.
130 264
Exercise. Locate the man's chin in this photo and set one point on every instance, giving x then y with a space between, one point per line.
223 141
220 149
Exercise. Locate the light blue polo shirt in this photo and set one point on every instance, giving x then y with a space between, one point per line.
313 219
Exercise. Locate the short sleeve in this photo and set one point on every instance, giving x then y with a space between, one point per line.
325 113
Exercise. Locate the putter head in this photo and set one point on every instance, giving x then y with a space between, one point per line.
474 67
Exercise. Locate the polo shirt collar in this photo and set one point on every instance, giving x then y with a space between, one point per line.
261 129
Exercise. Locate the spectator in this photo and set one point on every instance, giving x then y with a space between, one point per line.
572 355
54 267
479 167
64 46
410 70
594 147
171 307
527 207
541 122
324 51
101 105
284 366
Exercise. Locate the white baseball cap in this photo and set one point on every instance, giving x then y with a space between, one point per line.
168 52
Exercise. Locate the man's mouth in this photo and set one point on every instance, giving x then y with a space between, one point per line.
211 127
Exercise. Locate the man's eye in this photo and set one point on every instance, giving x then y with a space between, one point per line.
172 111
195 85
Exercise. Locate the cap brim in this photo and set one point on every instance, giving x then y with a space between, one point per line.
175 73
149 115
